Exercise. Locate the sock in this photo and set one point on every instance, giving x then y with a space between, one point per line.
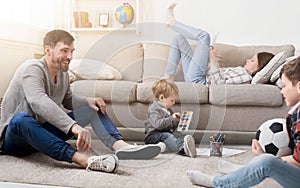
227 167
199 178
162 146
171 16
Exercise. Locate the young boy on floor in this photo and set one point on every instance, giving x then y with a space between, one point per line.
284 170
161 124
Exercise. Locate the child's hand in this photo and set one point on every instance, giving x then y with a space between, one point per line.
176 115
256 149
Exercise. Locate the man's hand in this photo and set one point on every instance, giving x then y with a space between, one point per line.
83 136
256 149
97 104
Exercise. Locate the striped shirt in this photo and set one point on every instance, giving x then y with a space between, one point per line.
228 75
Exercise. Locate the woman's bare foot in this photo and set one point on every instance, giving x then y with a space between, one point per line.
171 16
168 77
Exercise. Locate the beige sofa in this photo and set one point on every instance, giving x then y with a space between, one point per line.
125 85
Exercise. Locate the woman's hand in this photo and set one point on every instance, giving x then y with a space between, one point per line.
97 104
256 149
212 51
83 136
212 58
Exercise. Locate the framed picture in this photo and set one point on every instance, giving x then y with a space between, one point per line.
103 19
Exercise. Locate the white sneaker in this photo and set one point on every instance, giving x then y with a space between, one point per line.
104 163
189 146
138 152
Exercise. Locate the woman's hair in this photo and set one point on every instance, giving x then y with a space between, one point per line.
292 70
263 59
55 36
165 87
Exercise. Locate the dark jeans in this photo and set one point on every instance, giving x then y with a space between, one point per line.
25 135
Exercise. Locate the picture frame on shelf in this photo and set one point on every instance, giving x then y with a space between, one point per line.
103 19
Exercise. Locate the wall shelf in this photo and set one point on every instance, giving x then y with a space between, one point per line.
102 29
95 7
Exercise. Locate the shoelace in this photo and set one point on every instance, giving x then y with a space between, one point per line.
96 164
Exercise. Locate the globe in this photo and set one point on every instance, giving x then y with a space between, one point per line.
124 14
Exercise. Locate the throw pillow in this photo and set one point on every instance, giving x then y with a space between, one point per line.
90 69
278 83
276 73
264 75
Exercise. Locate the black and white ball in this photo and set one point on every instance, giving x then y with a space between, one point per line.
273 137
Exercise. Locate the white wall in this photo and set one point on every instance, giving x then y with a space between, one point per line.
23 26
15 48
238 21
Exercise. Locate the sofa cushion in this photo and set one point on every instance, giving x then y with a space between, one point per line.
129 61
188 93
91 69
155 61
264 75
276 73
232 56
116 91
245 94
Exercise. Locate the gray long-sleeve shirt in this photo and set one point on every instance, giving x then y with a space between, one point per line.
31 90
159 120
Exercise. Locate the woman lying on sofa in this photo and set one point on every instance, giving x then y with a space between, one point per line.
195 62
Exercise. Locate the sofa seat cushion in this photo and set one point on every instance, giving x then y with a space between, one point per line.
189 93
116 91
245 94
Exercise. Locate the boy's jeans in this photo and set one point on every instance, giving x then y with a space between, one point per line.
261 167
173 141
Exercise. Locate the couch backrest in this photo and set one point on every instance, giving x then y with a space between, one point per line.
143 62
231 56
155 61
129 61
147 61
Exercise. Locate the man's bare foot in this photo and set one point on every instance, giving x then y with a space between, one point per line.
171 16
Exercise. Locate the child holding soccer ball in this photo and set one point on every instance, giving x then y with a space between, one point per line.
161 123
284 170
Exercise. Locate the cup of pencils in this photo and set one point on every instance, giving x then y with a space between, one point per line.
216 144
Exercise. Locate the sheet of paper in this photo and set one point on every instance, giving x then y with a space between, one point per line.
227 152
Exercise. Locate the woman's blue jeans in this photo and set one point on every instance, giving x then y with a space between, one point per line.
261 167
194 62
25 135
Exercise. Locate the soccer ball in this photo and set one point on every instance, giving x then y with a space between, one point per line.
273 137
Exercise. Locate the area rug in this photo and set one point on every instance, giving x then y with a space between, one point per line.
165 170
